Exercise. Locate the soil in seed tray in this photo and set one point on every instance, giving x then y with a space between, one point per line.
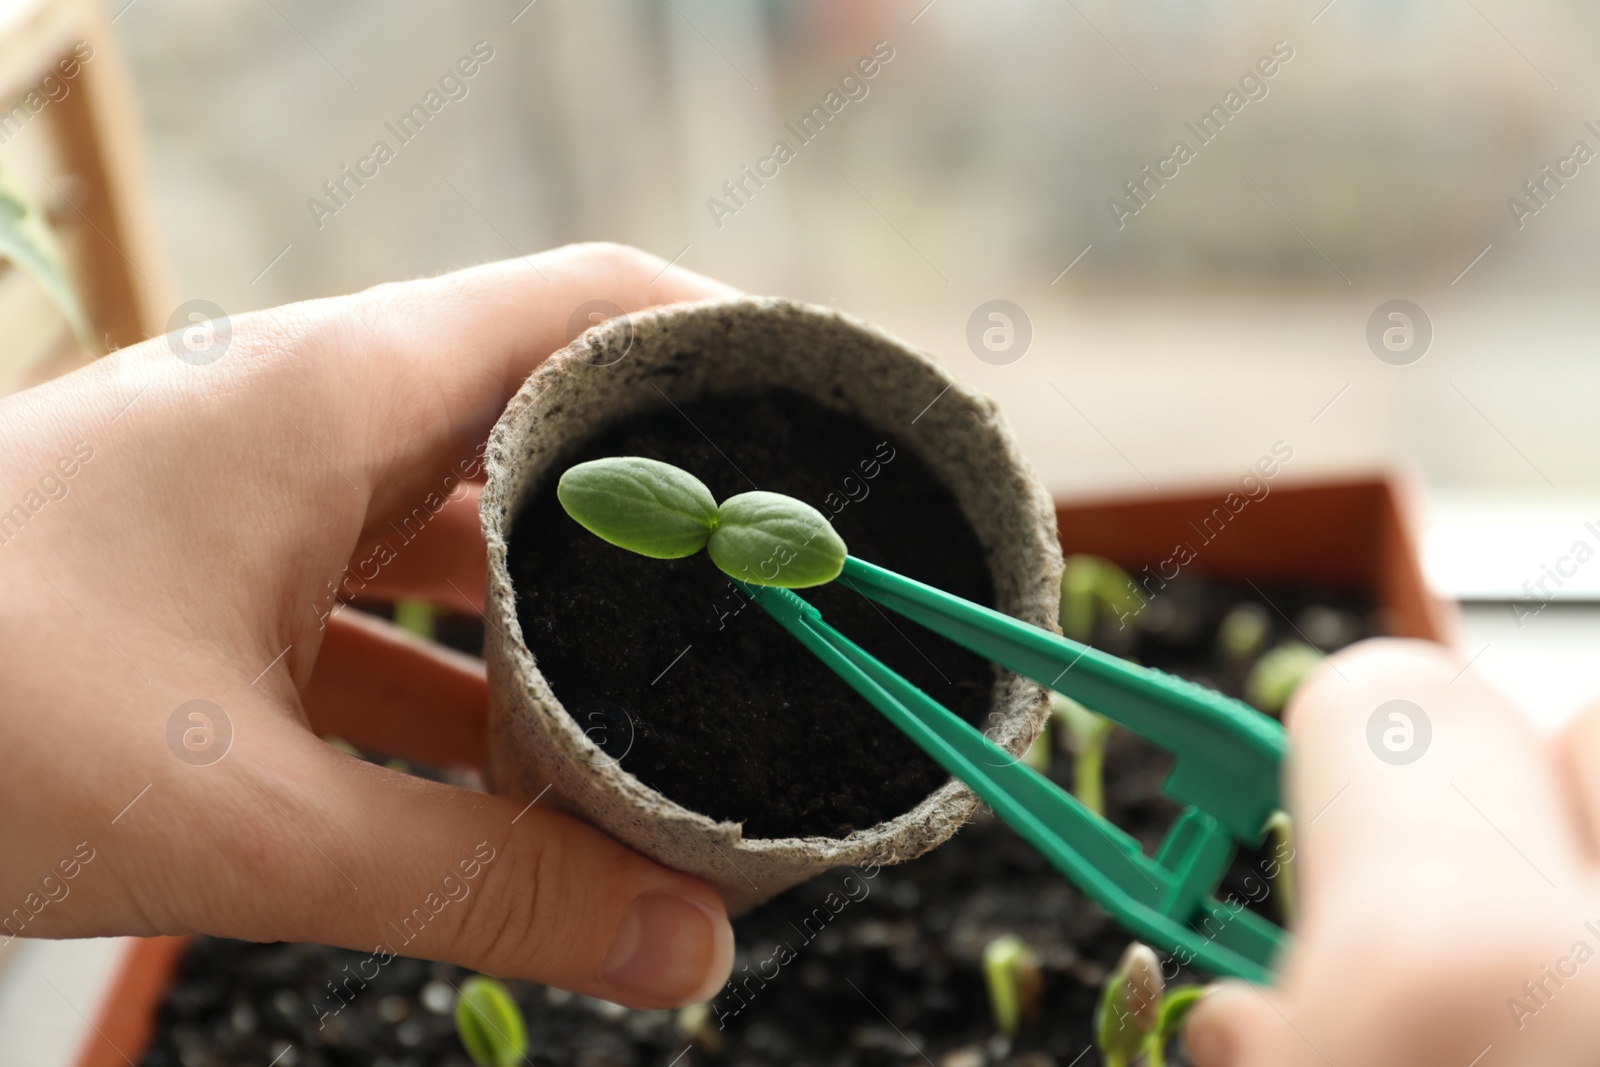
700 694
814 969
857 968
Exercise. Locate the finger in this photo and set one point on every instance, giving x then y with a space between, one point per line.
453 349
437 556
1409 775
1235 1025
319 426
385 691
1574 751
303 843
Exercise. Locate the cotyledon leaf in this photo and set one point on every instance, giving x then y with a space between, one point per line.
771 539
643 505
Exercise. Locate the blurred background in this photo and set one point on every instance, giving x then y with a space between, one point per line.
1224 315
1158 337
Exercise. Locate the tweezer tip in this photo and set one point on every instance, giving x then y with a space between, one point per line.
779 600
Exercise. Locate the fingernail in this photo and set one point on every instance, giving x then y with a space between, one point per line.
670 949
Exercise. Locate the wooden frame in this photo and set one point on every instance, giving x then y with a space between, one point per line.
81 159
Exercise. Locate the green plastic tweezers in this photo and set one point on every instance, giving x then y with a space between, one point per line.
1227 758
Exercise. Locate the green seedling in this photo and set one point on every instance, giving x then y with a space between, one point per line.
415 616
693 1023
1095 590
1085 735
1015 981
1175 1007
489 1024
661 511
1328 627
343 746
1244 632
27 240
1137 1016
1281 867
1130 1006
1278 674
1038 754
1095 593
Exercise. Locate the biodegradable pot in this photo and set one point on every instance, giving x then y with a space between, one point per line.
634 363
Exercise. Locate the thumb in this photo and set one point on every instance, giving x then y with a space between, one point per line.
410 867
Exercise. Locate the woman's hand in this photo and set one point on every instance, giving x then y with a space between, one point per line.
1451 911
174 531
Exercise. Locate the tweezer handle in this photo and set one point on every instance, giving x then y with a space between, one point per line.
1153 898
1227 755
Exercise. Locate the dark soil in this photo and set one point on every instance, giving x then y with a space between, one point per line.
883 972
703 697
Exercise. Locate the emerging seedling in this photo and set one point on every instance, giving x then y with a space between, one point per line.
489 1024
661 511
1137 1016
1281 866
1085 735
1015 981
1130 1006
1175 1007
1244 632
1095 593
1038 754
1093 590
693 1023
1278 674
27 240
415 616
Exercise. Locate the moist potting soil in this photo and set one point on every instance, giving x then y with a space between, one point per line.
701 695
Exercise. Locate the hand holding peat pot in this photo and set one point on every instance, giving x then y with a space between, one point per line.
175 642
